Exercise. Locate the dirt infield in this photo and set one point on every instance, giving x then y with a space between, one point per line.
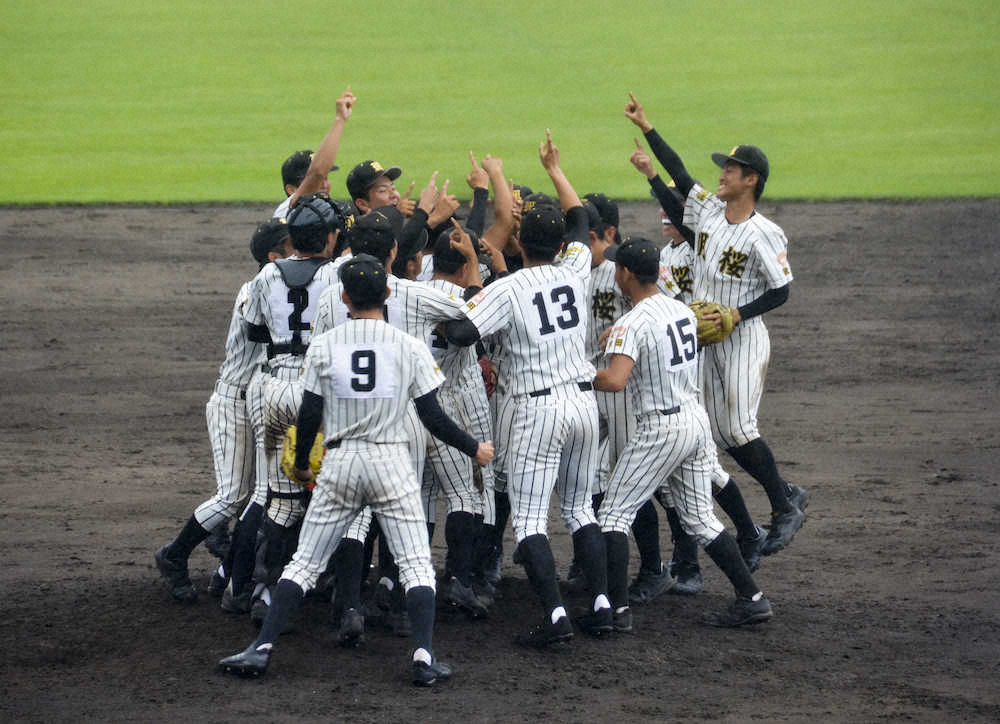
881 400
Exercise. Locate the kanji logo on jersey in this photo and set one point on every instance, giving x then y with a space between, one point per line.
733 263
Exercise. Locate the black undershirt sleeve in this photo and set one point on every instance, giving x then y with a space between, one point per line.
771 299
443 427
669 159
470 292
461 332
310 418
476 220
673 208
577 226
258 333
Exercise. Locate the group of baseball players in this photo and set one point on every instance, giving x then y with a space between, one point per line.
388 353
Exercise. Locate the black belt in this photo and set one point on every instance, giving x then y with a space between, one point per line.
584 387
243 394
331 444
298 350
671 411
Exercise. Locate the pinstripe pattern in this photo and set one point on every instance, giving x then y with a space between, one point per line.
653 335
533 357
679 260
356 475
373 464
273 402
670 449
229 430
673 450
734 370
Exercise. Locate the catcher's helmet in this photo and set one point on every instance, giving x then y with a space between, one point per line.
313 217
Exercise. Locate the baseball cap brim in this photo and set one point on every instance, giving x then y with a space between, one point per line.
611 253
392 173
721 159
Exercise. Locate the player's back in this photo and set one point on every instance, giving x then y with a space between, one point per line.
367 373
660 335
284 296
541 314
457 363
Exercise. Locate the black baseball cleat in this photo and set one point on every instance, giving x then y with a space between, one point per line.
175 576
425 674
688 581
352 628
217 585
751 549
464 597
784 526
741 612
623 621
236 602
547 633
799 497
596 623
649 585
251 662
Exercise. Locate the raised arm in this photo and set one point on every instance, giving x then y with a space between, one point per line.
326 155
503 204
576 217
667 157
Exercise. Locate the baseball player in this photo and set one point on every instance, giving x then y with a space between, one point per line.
293 173
415 309
360 378
229 431
741 261
548 416
463 397
653 348
282 304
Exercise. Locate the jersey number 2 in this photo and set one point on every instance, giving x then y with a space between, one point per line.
299 299
568 318
363 365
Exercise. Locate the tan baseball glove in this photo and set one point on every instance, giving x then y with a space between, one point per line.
708 332
288 456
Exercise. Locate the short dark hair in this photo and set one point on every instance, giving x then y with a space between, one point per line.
364 281
758 189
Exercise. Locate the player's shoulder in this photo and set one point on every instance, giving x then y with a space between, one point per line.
765 225
703 197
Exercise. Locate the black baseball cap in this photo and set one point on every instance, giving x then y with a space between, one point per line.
312 218
375 233
366 173
594 221
637 254
523 191
267 236
543 227
607 208
364 279
293 170
535 200
749 156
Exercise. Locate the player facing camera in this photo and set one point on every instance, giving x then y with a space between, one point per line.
315 224
364 281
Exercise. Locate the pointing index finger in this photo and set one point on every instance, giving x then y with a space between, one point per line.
472 160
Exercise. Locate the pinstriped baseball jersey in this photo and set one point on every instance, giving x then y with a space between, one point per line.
542 311
458 364
272 303
242 355
282 210
679 260
575 256
734 263
413 307
606 305
660 335
367 372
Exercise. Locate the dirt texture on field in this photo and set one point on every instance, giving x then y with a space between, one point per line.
881 400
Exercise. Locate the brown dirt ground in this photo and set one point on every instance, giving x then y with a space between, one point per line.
881 400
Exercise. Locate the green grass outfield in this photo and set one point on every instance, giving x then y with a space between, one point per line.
115 100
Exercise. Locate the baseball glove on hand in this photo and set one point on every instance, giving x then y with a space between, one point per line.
708 332
288 456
